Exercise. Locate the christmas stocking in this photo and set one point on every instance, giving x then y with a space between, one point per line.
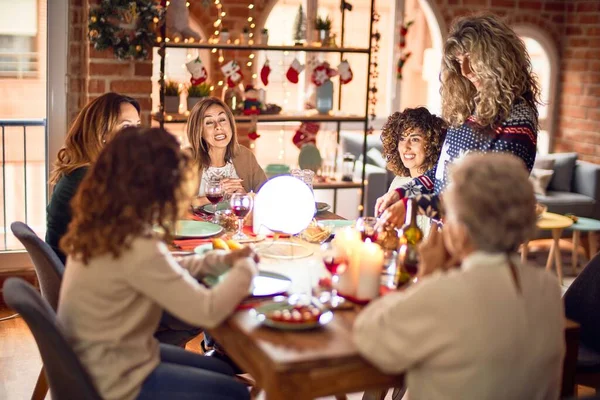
306 133
322 73
294 71
345 72
232 72
264 73
178 24
197 70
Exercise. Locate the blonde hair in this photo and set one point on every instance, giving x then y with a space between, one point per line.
94 123
499 59
195 129
492 196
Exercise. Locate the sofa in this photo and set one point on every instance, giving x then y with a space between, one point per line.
574 186
378 177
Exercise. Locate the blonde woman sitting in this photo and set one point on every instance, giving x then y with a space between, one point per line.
491 329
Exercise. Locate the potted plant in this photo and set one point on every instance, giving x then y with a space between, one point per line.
299 30
224 35
323 27
195 93
264 36
172 92
245 35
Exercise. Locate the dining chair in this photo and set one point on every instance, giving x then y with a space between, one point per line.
582 301
67 377
49 270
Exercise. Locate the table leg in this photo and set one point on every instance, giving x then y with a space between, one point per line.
556 244
524 252
550 260
335 200
593 244
575 252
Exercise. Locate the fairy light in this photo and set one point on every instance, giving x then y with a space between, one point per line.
213 51
168 3
223 13
220 83
217 23
251 56
254 76
187 3
281 154
221 59
250 19
252 25
251 6
249 63
217 33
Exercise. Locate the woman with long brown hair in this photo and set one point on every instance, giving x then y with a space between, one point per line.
120 275
94 126
212 136
489 98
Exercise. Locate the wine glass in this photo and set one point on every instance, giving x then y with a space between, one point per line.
241 205
367 227
335 264
214 193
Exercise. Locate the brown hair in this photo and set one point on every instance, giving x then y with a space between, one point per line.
140 179
195 129
399 124
97 120
499 59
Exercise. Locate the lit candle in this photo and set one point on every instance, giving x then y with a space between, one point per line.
369 271
348 242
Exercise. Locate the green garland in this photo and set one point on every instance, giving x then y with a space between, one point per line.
104 30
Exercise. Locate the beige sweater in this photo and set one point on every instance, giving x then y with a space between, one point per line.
469 334
110 308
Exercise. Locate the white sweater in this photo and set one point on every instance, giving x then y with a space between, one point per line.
469 334
110 308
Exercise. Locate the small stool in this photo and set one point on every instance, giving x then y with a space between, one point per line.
589 225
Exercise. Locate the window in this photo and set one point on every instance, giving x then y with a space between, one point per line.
18 36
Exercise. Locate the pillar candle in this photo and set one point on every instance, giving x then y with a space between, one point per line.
369 271
348 242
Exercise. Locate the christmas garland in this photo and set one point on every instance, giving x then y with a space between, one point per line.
105 29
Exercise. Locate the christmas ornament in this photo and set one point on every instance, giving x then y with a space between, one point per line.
299 32
105 31
294 71
373 71
322 73
178 25
252 104
232 72
198 71
264 73
403 32
252 131
401 62
345 72
306 133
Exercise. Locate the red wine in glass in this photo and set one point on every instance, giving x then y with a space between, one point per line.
214 198
332 264
240 211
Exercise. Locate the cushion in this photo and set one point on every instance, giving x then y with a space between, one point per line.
540 178
542 162
375 157
564 166
568 202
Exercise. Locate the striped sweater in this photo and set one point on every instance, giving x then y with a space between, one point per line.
516 135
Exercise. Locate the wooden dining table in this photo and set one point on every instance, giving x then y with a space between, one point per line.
325 361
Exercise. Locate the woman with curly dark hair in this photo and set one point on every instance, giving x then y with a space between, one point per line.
120 275
412 141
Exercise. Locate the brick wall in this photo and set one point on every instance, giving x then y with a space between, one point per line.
573 24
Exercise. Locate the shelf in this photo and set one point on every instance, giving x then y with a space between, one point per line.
313 117
222 46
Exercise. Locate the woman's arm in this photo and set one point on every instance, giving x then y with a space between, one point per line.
421 185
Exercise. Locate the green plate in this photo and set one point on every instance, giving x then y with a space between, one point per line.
203 248
264 284
322 206
196 229
264 309
209 208
337 223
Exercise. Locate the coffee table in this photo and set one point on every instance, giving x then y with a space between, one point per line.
589 225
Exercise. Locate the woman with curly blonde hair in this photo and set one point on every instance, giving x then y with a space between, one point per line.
412 140
489 98
120 276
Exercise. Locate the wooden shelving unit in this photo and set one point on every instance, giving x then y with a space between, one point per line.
266 118
230 46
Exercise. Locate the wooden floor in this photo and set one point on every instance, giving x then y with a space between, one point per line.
20 362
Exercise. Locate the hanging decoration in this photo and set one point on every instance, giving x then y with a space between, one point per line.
294 71
253 131
232 72
374 70
178 22
265 71
252 103
128 27
306 133
198 71
322 73
251 34
402 45
345 72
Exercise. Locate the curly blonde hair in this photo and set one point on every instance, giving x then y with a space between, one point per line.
400 124
499 59
492 196
141 178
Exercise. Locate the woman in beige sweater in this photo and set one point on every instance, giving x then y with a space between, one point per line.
120 275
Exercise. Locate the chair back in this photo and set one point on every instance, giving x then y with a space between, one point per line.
582 302
48 267
67 377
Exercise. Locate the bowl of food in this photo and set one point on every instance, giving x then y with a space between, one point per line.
227 219
540 209
316 232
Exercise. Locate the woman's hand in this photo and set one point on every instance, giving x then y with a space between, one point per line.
235 255
433 254
393 215
386 201
232 185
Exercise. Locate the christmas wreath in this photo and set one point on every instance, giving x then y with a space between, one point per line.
128 26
